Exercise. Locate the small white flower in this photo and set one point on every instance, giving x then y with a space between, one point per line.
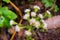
36 7
32 21
48 12
37 24
28 33
26 16
43 21
11 22
33 14
17 28
40 16
45 24
27 10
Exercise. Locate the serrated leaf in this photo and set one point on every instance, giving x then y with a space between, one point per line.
7 1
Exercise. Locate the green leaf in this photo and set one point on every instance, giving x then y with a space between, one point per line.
7 22
2 9
7 1
29 38
48 3
0 13
2 21
44 1
9 14
56 8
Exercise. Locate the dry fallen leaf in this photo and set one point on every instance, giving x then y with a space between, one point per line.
53 22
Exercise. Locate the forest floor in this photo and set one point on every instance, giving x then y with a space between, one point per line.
52 34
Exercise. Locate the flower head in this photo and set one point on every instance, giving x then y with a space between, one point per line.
43 21
27 10
48 12
36 7
11 22
26 16
40 16
17 28
33 14
32 21
28 33
37 24
45 24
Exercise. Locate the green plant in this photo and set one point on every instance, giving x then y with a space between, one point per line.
6 15
50 3
36 20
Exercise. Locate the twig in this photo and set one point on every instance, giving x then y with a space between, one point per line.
17 9
20 13
13 35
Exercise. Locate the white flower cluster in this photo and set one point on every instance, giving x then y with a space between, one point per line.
33 14
26 16
34 17
35 23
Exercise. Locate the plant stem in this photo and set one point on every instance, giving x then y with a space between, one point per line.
20 13
17 9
